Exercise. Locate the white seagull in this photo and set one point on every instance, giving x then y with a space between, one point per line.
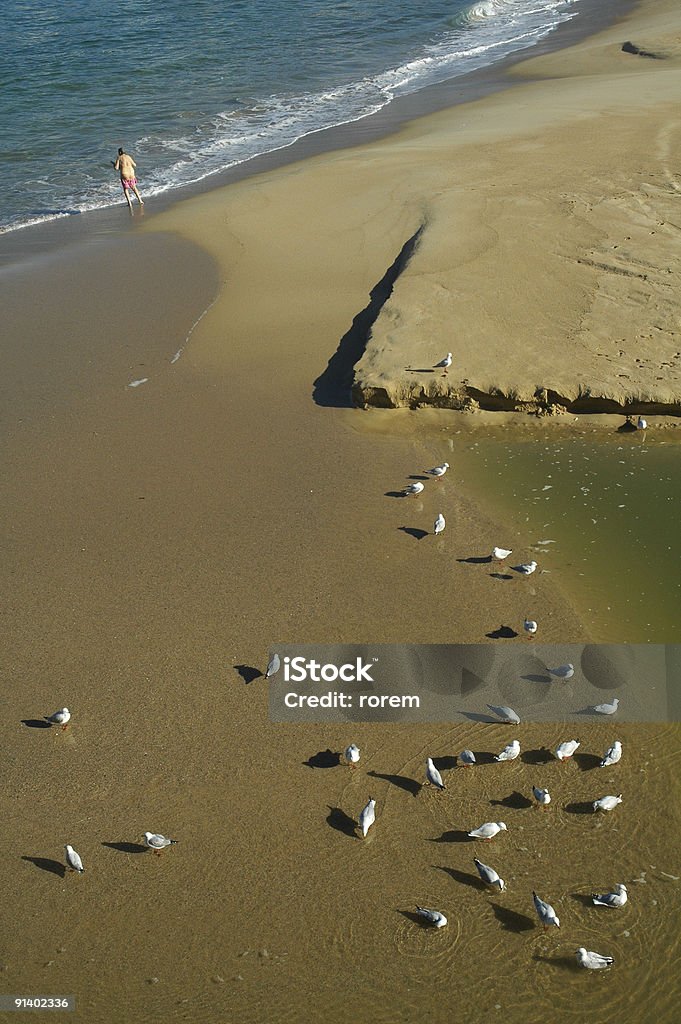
488 830
616 898
526 569
510 751
439 524
367 817
565 750
612 755
594 961
607 803
73 860
641 424
563 671
501 554
351 755
433 776
444 364
507 714
273 666
545 912
466 758
530 627
432 916
607 709
489 875
414 488
438 471
157 842
542 796
61 717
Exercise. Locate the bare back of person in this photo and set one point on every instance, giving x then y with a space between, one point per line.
126 166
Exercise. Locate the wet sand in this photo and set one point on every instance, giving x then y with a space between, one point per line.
159 540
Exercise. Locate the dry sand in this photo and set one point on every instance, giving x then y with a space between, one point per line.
158 540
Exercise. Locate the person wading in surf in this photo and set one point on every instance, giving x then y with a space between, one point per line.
126 165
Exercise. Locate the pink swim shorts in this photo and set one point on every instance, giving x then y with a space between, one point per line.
128 182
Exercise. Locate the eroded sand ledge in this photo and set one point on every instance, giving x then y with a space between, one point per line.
548 261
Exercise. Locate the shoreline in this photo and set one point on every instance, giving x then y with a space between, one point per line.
19 244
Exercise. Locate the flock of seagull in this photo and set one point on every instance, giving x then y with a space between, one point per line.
489 829
498 554
152 840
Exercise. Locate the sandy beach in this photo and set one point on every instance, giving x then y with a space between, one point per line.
186 485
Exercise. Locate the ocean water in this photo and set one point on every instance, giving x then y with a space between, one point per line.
193 89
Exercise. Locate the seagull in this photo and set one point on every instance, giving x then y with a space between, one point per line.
432 916
641 424
273 666
613 755
351 755
510 751
414 488
616 898
530 627
501 554
433 776
466 758
563 671
607 803
61 718
507 714
526 569
594 961
488 830
439 524
566 750
545 912
157 842
489 875
73 860
542 796
438 471
367 817
607 709
444 364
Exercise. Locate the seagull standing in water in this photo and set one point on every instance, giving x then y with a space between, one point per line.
607 709
594 961
542 796
62 718
526 569
545 912
73 860
510 752
444 364
351 755
616 898
438 471
613 755
432 916
607 803
157 842
488 830
367 817
563 671
433 776
273 666
507 714
564 751
439 524
414 488
489 875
